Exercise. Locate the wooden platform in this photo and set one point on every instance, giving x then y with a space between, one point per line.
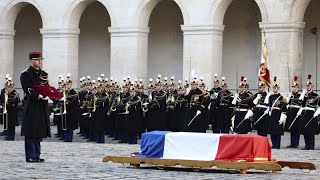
243 167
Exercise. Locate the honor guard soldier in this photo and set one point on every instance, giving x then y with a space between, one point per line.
171 106
36 122
293 123
134 123
81 94
277 114
195 108
243 112
115 99
214 103
9 101
57 110
123 116
101 106
157 108
85 99
205 104
309 114
259 117
181 104
223 121
71 110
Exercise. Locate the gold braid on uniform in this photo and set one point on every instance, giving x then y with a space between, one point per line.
157 98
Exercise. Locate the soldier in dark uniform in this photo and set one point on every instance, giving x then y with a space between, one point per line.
205 105
85 99
308 117
214 103
259 117
243 112
57 111
223 122
81 94
10 112
36 123
157 109
135 116
293 124
181 104
277 114
101 107
194 118
145 101
72 111
171 107
122 114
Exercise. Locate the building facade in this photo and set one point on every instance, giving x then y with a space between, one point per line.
143 38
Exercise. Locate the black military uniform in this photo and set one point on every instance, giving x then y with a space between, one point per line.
73 114
134 123
181 104
171 111
223 122
11 116
102 106
277 109
36 123
259 117
214 105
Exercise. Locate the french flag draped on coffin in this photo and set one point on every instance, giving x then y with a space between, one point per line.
206 147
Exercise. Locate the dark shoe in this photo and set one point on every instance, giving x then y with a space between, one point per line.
31 160
67 141
41 160
275 147
305 149
291 146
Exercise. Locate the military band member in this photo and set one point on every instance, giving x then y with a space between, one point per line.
214 103
157 108
195 108
205 104
85 98
181 104
101 107
9 100
309 115
122 116
223 122
260 119
57 111
243 112
293 124
36 123
171 107
277 114
72 111
134 123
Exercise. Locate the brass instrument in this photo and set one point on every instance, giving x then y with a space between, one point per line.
94 103
4 114
64 114
113 107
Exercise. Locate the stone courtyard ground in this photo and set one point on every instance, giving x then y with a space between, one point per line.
83 160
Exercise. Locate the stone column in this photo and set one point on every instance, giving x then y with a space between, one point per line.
285 50
202 51
60 50
6 54
129 52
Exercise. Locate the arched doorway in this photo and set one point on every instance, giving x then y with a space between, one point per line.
241 43
311 43
165 45
27 38
94 41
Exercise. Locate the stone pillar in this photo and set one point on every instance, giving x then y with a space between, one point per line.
202 52
60 50
285 50
6 54
129 52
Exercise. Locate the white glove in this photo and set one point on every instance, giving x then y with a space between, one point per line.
232 121
266 100
316 113
5 112
248 115
283 119
266 111
289 96
303 94
234 101
256 100
62 99
40 96
44 98
0 106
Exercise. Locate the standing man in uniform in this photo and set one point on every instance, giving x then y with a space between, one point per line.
36 123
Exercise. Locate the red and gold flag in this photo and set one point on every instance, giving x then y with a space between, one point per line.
264 73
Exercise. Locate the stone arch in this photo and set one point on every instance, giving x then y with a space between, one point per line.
146 7
77 8
220 7
12 10
298 10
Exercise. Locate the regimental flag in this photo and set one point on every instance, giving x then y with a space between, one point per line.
264 73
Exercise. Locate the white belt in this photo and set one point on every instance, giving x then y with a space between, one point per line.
276 108
241 109
84 114
261 106
294 106
57 114
309 109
